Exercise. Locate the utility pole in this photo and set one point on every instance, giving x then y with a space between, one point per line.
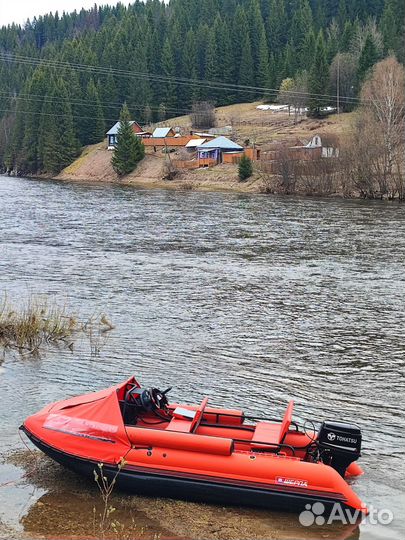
338 85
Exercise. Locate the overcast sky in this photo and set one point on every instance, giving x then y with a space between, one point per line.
19 11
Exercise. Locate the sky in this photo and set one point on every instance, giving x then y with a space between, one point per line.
19 11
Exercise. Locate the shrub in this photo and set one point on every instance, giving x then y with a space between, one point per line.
245 169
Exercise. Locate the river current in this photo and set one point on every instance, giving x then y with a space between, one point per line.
249 299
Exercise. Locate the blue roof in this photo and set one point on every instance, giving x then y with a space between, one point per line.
221 142
161 132
114 129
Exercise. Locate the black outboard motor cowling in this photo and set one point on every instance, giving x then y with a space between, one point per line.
339 444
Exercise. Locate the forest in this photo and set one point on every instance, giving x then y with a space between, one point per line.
64 77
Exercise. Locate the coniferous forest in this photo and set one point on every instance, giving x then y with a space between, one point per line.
64 77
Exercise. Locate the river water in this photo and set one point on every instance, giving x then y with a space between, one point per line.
249 299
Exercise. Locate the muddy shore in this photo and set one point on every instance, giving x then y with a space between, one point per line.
70 508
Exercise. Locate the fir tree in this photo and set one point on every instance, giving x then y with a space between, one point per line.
57 143
368 57
246 69
212 71
245 169
129 149
95 126
346 37
389 28
342 14
263 73
28 158
318 77
168 68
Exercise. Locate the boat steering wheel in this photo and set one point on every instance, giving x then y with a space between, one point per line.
155 399
150 399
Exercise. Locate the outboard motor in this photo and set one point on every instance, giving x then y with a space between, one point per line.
339 445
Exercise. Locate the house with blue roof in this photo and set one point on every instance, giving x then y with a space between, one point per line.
212 152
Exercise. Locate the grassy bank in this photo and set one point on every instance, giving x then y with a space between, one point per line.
40 323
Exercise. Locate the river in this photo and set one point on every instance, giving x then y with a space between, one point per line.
249 299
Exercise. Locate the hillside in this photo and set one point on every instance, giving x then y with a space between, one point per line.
65 77
249 123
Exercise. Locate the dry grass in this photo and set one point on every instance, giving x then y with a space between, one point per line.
263 127
39 324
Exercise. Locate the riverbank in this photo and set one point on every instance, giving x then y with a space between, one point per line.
94 165
262 128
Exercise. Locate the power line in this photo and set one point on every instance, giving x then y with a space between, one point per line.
41 113
75 101
216 85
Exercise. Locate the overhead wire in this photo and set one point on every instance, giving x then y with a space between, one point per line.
75 101
216 85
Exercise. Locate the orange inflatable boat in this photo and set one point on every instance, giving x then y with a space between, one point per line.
197 452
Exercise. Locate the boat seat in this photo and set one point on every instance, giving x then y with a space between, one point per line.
272 434
186 421
181 420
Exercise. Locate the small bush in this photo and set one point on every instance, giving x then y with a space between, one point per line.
39 324
245 169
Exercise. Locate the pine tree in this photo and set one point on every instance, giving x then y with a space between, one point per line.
301 24
277 34
256 29
212 71
346 37
263 71
129 149
245 169
168 68
95 125
246 72
318 77
57 142
288 68
368 57
28 159
342 14
308 48
239 33
389 28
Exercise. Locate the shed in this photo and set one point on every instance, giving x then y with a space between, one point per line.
163 132
328 143
194 143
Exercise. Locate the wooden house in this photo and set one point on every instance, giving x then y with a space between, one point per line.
211 152
162 132
113 132
168 142
325 146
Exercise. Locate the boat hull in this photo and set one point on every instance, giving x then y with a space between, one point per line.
146 481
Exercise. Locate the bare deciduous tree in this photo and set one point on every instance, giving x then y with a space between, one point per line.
343 71
383 98
359 39
374 156
203 115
